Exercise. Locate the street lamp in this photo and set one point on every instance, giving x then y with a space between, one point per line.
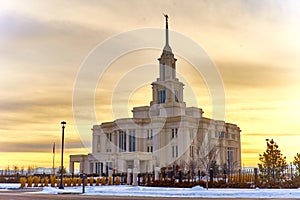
291 171
63 123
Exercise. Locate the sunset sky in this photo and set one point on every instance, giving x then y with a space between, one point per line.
43 45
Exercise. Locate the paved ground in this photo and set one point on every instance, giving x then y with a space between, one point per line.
21 195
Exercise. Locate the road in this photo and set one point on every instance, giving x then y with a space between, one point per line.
21 195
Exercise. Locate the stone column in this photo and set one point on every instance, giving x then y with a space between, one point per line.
118 142
71 168
129 171
135 172
156 171
82 167
136 164
127 141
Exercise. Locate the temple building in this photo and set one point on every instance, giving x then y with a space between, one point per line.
163 134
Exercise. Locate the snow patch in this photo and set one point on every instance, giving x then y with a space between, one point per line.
197 191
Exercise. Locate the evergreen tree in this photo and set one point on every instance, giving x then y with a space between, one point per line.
273 163
296 162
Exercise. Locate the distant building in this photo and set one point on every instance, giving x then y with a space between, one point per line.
164 134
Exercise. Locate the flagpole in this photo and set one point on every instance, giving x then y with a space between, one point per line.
53 152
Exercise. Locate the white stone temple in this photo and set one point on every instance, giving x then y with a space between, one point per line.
164 134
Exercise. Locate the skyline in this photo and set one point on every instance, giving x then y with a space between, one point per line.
254 45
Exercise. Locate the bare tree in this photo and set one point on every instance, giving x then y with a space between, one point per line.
207 151
206 158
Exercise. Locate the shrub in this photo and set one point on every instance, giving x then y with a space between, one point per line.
68 181
85 182
98 181
144 180
36 181
52 181
103 181
46 181
91 181
74 181
110 180
57 181
79 181
42 182
118 180
23 182
29 181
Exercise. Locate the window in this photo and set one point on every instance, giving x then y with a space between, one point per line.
174 133
149 134
176 95
192 151
122 141
131 140
221 134
108 167
149 148
109 136
175 151
99 168
91 168
98 144
162 96
230 158
163 72
173 71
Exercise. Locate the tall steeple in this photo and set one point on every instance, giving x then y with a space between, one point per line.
167 59
167 46
167 91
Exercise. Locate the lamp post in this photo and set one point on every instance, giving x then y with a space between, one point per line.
291 171
63 123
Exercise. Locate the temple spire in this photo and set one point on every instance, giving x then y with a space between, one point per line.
167 47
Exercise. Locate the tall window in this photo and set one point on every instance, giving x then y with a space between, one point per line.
149 148
162 96
122 141
191 151
99 168
173 71
174 133
131 141
92 168
149 134
108 167
175 151
163 72
176 95
230 158
109 136
98 143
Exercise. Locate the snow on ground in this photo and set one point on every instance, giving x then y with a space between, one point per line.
169 192
9 185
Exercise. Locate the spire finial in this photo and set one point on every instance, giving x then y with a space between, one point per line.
167 47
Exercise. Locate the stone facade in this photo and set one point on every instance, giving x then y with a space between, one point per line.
164 134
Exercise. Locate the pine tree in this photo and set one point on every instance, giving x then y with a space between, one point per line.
296 162
273 163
